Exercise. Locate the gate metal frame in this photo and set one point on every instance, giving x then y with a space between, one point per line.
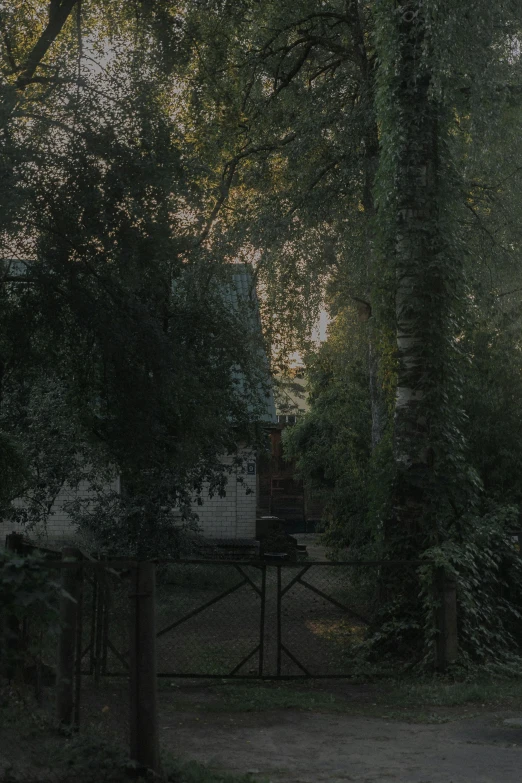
99 644
281 592
259 647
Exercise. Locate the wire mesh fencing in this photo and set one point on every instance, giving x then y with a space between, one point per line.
103 653
325 612
210 619
232 619
116 626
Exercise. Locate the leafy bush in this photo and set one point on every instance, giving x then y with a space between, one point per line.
488 571
28 597
120 526
331 443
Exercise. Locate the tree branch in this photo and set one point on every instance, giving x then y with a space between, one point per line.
301 21
293 71
59 12
322 173
330 66
55 80
228 175
508 293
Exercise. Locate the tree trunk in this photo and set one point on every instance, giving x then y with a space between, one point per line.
378 410
366 65
423 295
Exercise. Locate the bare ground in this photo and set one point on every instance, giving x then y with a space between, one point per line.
358 738
297 746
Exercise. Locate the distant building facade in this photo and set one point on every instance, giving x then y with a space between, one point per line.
280 493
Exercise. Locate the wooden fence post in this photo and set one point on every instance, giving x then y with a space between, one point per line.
446 642
144 735
15 660
67 642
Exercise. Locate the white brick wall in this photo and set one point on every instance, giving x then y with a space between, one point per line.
232 516
59 525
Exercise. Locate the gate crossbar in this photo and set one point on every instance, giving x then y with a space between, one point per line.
245 659
314 589
250 582
294 580
202 608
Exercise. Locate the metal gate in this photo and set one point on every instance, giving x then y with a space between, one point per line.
322 616
242 620
266 621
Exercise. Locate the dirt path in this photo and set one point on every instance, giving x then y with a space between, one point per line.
301 747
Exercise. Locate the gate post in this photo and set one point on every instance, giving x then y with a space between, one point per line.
446 641
144 736
14 663
14 542
67 642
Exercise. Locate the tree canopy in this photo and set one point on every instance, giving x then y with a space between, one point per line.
358 155
118 349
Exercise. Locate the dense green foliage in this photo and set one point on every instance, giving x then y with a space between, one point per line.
118 350
27 595
331 444
447 243
363 153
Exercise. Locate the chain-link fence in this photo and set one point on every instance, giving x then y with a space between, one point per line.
53 631
325 612
90 661
261 620
210 619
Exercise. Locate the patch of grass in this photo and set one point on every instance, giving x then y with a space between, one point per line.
48 755
255 698
192 772
89 753
249 697
419 715
439 693
433 701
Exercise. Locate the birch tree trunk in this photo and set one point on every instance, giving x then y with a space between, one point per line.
423 300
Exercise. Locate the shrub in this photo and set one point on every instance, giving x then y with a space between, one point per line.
29 595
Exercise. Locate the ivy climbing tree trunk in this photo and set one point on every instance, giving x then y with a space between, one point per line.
418 300
371 153
415 191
